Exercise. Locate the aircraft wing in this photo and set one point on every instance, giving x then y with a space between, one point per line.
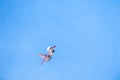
42 55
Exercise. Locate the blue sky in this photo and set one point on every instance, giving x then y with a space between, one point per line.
86 33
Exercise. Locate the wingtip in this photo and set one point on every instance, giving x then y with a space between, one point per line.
54 46
39 54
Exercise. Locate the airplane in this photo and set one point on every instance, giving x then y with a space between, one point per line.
47 57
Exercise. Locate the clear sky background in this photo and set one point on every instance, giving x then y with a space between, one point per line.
86 33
